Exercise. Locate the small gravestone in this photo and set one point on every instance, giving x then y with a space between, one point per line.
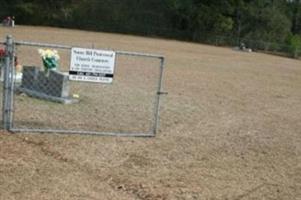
9 21
52 86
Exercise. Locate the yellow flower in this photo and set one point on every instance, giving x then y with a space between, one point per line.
42 53
76 96
48 53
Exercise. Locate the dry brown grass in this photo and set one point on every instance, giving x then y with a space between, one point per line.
230 129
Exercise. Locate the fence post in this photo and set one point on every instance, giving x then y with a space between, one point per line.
159 93
8 83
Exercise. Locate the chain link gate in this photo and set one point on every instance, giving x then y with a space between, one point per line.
129 106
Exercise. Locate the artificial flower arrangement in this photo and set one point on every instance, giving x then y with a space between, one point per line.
50 59
17 65
18 73
2 55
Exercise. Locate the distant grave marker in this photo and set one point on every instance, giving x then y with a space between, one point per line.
9 21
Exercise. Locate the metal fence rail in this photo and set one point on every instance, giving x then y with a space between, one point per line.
57 46
129 106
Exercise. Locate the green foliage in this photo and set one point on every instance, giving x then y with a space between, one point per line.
294 42
265 24
259 23
25 11
4 8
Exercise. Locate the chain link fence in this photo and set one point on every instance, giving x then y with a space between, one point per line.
49 102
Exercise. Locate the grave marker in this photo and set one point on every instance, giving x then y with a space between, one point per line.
52 87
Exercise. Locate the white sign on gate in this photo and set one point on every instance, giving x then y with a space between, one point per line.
92 65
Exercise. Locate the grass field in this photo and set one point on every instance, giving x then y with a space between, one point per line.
230 129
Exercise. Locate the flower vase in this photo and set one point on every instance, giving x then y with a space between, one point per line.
50 64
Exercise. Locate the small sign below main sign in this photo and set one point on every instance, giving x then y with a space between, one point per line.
92 65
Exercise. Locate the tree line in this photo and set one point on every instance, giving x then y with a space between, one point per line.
273 25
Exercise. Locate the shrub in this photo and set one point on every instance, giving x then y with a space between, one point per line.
294 42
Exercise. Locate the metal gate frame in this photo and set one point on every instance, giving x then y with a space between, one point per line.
9 88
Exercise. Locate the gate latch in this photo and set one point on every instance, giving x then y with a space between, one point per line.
162 93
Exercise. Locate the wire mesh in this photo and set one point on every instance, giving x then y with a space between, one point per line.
126 106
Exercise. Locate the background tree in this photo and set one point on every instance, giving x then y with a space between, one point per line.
262 24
